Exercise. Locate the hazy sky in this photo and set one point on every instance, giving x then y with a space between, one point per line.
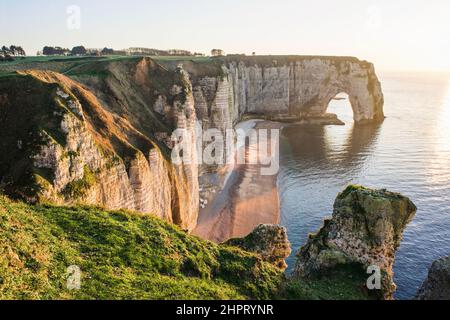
395 35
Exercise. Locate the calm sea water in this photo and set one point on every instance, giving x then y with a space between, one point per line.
408 153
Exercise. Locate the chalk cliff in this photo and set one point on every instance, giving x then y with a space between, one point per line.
294 87
63 145
284 88
100 133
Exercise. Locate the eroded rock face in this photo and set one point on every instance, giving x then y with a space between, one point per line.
186 173
437 284
299 87
86 154
269 241
366 229
143 186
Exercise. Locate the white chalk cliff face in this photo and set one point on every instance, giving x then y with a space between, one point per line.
298 87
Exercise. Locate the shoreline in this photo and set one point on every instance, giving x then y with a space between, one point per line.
247 199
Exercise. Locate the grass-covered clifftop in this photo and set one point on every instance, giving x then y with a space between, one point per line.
122 255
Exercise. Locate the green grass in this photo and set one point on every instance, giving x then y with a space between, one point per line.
344 283
33 59
60 64
43 60
71 65
122 255
180 58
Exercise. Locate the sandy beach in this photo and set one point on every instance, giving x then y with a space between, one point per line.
247 199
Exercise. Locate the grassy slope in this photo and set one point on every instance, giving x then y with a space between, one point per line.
67 64
122 256
204 66
343 283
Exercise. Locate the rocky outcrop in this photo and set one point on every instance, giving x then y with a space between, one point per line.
70 149
437 284
269 241
366 230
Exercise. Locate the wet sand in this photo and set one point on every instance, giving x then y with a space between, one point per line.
247 199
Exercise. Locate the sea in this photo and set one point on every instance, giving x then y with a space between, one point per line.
408 153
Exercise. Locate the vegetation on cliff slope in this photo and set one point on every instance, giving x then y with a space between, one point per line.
345 282
122 255
29 110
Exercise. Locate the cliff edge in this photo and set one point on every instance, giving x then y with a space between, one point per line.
127 255
119 255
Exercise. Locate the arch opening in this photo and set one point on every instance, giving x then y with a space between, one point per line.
341 105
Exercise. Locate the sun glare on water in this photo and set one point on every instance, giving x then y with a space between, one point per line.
444 123
438 161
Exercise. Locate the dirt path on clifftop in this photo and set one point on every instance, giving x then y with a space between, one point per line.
247 200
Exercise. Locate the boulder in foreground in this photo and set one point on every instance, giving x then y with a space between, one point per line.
269 241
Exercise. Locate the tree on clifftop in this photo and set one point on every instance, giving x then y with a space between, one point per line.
79 51
54 51
217 53
16 50
21 51
7 53
107 51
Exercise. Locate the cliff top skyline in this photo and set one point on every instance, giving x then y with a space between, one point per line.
400 35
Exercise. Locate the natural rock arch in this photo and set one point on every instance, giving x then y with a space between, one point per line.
298 86
327 78
337 106
366 105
